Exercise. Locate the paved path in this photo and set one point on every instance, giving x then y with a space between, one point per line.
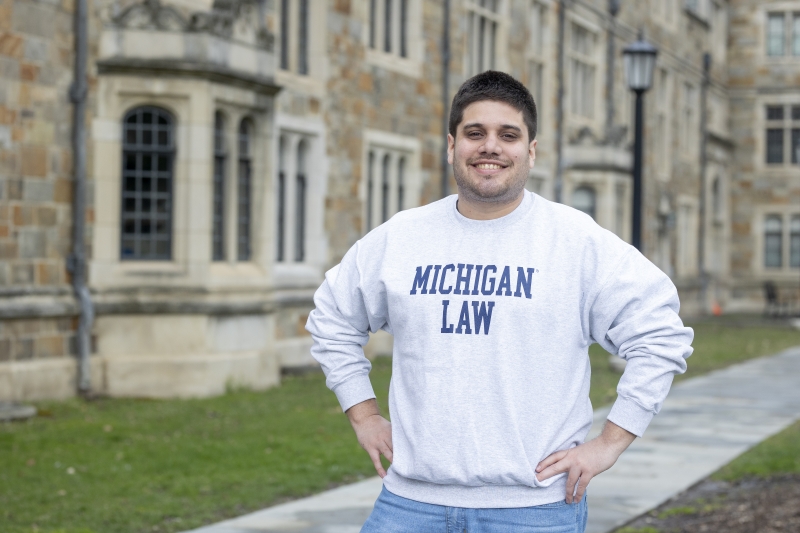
705 422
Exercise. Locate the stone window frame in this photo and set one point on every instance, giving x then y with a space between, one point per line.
688 120
760 125
593 60
381 144
312 131
663 118
538 51
786 213
313 81
192 109
686 228
791 31
789 127
698 8
474 12
410 64
233 116
609 191
590 196
668 10
718 20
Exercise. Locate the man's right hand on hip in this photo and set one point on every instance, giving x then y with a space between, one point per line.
374 432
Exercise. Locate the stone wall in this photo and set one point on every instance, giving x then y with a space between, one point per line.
36 52
757 80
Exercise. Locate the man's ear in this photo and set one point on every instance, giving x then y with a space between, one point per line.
451 148
532 152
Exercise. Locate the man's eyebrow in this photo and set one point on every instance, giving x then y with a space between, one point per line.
502 127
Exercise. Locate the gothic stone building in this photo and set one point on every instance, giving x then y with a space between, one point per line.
237 149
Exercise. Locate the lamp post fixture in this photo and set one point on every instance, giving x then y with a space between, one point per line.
640 59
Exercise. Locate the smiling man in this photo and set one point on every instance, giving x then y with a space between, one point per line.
493 296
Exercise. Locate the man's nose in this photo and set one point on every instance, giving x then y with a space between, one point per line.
491 145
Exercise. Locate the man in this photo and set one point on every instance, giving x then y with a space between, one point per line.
493 297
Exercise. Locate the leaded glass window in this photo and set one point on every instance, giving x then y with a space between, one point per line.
281 200
794 242
218 198
244 192
385 188
585 199
300 206
773 245
147 175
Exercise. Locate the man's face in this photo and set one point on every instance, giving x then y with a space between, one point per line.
491 154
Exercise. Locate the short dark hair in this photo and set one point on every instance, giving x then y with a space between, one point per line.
497 86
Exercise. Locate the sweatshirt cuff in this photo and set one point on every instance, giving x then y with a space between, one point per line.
630 416
355 390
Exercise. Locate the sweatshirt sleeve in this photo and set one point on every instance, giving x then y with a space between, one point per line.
635 316
340 326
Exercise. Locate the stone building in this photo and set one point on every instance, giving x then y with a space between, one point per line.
238 148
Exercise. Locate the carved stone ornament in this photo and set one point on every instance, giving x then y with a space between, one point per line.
151 15
220 21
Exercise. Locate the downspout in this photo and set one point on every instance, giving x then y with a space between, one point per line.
445 95
613 10
558 186
76 263
701 236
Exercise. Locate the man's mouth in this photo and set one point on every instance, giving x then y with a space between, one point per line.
489 167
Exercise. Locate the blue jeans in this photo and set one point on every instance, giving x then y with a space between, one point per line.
394 514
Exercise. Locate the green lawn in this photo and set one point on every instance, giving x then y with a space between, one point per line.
779 454
136 466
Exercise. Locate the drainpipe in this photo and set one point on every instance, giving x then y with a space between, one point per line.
76 263
445 94
701 237
558 186
613 10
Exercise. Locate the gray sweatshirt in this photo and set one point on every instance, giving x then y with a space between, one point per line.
492 321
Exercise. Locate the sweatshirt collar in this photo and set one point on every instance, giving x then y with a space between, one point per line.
517 214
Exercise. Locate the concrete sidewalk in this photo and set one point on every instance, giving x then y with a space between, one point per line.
704 424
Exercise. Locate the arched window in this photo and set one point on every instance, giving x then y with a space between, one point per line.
385 188
300 206
285 31
294 35
218 201
370 187
147 159
281 200
773 245
584 199
388 26
244 192
716 199
401 186
794 242
373 21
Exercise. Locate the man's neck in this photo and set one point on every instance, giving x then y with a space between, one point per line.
487 210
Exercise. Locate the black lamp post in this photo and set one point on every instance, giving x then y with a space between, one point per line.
640 59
